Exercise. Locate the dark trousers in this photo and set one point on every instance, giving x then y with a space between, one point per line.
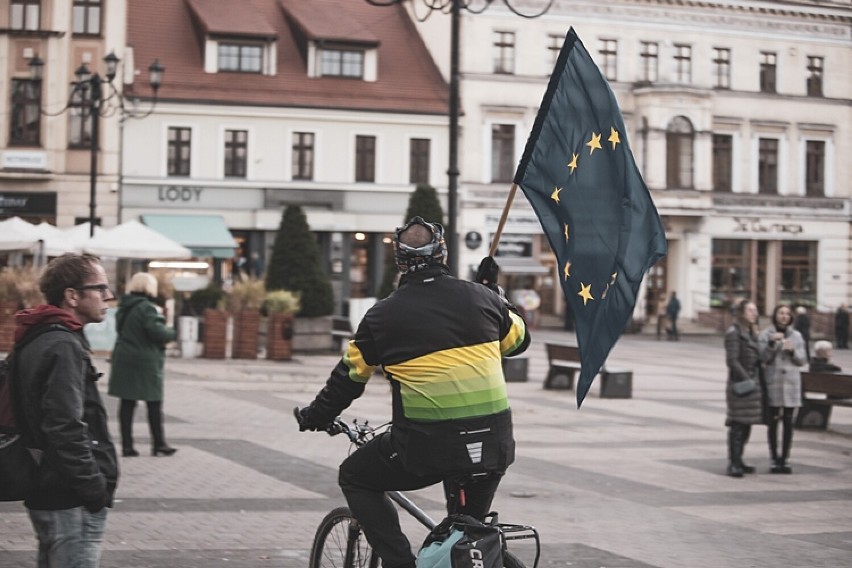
375 468
785 416
155 422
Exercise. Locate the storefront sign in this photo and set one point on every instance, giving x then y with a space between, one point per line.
190 197
755 225
35 204
24 160
514 246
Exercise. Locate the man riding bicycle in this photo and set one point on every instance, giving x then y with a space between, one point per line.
440 342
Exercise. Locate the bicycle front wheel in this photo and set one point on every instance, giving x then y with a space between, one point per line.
340 543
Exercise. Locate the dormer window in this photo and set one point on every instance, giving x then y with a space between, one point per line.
240 58
341 63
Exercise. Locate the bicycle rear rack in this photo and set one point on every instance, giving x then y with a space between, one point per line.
521 532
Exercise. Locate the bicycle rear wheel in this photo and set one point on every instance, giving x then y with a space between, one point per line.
511 561
340 543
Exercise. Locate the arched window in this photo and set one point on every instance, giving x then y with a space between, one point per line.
679 153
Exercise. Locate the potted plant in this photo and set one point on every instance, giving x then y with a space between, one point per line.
280 306
246 299
210 302
18 289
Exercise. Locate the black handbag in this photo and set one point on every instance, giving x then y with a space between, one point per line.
744 387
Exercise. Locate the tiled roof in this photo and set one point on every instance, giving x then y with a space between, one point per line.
218 17
408 79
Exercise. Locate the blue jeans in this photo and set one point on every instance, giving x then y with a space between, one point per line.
69 538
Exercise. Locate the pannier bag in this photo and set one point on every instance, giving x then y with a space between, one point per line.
461 541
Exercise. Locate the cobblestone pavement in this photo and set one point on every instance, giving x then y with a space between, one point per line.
620 483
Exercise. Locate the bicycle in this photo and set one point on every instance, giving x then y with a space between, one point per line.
340 543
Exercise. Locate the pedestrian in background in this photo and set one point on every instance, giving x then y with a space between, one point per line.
138 359
821 361
744 408
841 327
802 324
672 312
782 351
63 414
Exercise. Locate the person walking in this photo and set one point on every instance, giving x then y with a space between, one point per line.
672 312
802 324
744 406
440 342
782 351
138 359
63 416
841 327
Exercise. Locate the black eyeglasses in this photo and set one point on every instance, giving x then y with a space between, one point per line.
102 288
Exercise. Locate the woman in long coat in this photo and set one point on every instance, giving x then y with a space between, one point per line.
138 360
782 350
742 356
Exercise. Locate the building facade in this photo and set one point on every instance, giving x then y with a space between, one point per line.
739 117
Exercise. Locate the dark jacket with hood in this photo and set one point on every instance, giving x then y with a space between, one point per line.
440 342
63 415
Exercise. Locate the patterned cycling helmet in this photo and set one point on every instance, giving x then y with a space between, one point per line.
409 258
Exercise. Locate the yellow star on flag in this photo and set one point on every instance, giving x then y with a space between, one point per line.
573 164
567 270
594 143
613 137
585 292
566 231
555 195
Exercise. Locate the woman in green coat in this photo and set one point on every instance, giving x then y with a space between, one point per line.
137 362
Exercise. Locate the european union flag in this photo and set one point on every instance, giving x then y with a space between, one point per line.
578 173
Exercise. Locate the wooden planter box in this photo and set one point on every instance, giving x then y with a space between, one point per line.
279 337
215 333
7 325
246 330
312 335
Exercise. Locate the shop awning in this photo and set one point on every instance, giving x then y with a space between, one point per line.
204 235
518 265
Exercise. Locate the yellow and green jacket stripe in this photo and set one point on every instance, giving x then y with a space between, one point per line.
440 341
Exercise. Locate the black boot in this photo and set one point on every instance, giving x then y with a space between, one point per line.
787 440
735 451
746 435
126 409
772 436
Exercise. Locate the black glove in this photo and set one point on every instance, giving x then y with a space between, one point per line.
303 417
488 273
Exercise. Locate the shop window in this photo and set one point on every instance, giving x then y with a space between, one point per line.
730 275
679 153
723 156
798 272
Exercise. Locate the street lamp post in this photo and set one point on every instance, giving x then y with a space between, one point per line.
97 97
454 7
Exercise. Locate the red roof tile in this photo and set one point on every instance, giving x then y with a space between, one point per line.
329 21
408 79
219 17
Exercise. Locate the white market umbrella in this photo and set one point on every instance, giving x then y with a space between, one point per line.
132 239
12 239
71 239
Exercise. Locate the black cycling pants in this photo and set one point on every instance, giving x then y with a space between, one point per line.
375 468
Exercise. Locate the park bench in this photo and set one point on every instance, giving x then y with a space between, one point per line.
831 389
564 362
341 330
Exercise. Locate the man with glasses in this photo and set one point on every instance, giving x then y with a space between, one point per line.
61 414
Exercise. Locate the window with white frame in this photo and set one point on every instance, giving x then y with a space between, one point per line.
504 52
767 71
86 17
502 152
815 72
25 123
722 67
723 161
179 151
815 168
419 160
649 54
608 51
683 63
303 155
680 137
242 58
554 46
25 15
767 166
341 62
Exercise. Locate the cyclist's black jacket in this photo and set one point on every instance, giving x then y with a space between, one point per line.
440 342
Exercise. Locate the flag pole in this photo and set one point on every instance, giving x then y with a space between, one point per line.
503 219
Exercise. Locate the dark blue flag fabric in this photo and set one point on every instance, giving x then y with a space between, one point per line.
578 173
